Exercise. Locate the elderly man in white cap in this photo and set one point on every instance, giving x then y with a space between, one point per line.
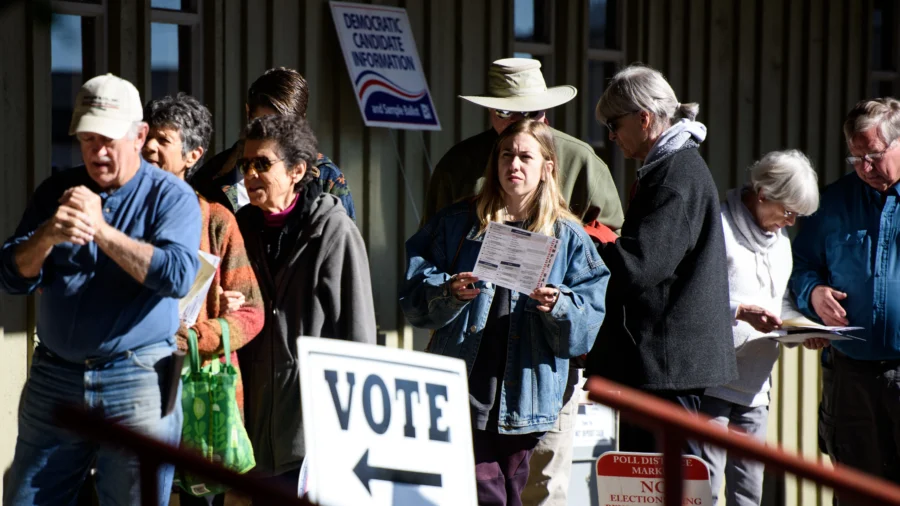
516 90
112 245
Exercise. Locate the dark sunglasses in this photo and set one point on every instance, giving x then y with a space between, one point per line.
611 123
260 164
508 114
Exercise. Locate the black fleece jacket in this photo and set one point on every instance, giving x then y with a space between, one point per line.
668 321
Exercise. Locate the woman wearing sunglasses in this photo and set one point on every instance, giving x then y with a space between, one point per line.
783 186
314 275
668 329
516 346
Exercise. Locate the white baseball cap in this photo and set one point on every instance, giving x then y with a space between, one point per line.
107 105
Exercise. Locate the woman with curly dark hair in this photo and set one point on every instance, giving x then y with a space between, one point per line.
314 274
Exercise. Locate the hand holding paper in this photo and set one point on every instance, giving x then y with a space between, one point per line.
514 258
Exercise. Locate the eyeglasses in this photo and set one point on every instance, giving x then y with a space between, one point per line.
871 157
792 214
611 123
260 164
508 114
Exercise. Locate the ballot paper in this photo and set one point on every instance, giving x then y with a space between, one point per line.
514 258
797 330
189 306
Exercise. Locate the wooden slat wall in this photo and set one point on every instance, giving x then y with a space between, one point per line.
388 171
768 74
19 146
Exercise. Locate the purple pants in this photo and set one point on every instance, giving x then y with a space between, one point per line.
501 466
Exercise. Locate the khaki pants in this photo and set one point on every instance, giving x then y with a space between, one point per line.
551 463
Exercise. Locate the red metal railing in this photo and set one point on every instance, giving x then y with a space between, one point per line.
674 426
151 453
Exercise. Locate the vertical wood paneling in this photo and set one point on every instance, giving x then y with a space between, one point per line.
788 420
255 55
441 75
721 95
20 146
815 91
568 41
832 138
323 67
233 94
696 62
770 77
387 196
656 33
745 143
213 57
795 78
472 41
675 68
284 33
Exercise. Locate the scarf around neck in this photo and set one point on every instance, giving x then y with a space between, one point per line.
755 238
674 138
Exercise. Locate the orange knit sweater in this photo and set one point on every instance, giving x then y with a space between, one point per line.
223 239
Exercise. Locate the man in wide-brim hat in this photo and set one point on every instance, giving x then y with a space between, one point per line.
516 90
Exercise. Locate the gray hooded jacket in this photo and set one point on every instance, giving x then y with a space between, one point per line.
322 288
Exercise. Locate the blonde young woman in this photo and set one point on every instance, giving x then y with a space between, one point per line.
516 346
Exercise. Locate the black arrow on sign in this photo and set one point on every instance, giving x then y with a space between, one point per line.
366 473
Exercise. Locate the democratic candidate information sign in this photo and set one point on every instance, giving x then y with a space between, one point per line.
385 426
384 66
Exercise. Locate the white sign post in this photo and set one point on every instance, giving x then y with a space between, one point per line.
626 479
381 57
385 426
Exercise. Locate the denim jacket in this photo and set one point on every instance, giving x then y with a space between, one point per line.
540 344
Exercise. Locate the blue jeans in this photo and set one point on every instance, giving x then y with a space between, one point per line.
50 463
743 477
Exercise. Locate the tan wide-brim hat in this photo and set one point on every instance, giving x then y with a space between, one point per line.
516 84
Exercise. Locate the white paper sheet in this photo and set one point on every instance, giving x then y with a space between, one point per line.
189 306
514 258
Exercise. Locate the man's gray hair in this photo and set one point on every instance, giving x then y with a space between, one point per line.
641 88
881 112
787 177
133 130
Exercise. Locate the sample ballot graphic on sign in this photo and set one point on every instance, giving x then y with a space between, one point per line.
383 62
385 426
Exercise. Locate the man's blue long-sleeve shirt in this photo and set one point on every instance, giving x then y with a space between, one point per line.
89 306
852 244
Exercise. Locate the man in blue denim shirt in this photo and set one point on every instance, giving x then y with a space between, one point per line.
847 272
111 245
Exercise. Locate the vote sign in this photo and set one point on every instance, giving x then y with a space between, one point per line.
385 426
626 478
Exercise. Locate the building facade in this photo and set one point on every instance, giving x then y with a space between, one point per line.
768 74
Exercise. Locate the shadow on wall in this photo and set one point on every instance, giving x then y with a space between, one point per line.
13 315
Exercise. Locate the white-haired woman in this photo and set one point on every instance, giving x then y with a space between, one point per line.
782 187
668 326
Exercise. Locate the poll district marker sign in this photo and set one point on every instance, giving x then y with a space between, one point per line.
385 426
626 479
384 66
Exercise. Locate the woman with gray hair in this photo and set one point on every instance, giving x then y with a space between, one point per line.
668 324
783 186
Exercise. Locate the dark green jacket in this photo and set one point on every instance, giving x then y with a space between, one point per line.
585 181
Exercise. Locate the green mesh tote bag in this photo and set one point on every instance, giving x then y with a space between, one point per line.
212 420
